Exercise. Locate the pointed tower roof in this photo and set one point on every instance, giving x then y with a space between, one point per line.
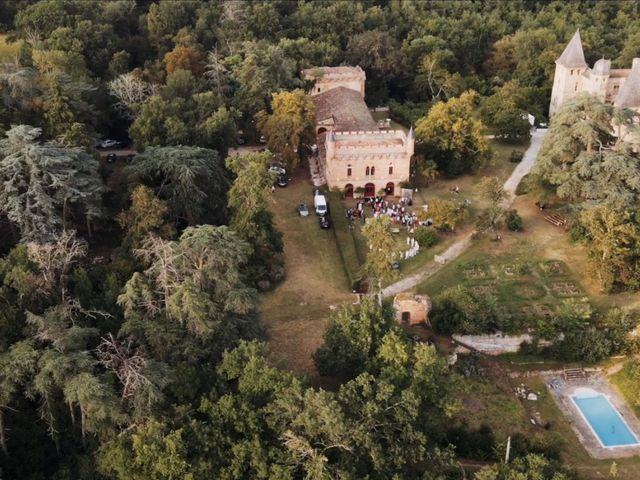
573 55
412 133
629 94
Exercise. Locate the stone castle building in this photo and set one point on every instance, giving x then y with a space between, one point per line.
353 152
620 87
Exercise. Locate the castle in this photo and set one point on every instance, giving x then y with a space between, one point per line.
353 153
620 87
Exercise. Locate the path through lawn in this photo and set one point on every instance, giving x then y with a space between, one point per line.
455 250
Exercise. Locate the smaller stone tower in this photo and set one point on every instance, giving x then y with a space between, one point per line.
569 68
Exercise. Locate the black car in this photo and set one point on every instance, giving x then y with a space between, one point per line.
282 181
325 222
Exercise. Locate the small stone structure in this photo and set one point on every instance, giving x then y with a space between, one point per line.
412 309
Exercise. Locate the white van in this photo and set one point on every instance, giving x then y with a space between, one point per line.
320 204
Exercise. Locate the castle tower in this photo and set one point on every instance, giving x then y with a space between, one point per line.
569 67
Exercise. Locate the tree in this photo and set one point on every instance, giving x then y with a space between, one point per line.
290 127
352 338
196 281
458 310
377 232
614 245
490 189
529 467
193 181
16 366
446 214
184 57
131 91
250 218
41 181
147 214
55 259
582 159
505 112
452 137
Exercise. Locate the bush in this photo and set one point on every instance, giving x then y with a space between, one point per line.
516 156
513 221
426 237
458 310
578 233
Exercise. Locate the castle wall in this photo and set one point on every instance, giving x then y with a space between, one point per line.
377 158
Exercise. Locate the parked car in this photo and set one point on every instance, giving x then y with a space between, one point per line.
303 210
108 143
262 139
320 205
325 222
111 158
277 169
282 181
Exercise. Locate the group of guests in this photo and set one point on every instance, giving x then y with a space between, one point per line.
397 211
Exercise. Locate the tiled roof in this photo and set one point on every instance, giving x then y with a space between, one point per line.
346 107
573 55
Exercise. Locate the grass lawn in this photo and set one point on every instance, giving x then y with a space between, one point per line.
628 386
296 311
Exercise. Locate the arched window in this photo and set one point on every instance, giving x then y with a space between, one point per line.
571 72
348 170
373 170
390 169
367 171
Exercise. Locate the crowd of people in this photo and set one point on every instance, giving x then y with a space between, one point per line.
397 211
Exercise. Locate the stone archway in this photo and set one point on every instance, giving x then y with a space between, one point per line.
321 130
369 190
348 190
390 188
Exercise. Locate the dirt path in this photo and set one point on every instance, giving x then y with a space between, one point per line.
455 250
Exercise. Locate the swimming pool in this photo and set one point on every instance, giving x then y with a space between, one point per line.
603 418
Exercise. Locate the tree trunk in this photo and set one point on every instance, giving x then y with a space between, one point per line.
73 414
88 227
3 439
83 423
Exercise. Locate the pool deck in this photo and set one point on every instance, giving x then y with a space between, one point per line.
561 390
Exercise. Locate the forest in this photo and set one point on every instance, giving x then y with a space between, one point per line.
131 345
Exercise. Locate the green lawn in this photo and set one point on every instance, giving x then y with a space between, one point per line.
628 386
296 311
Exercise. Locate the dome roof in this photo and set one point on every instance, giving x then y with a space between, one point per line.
602 67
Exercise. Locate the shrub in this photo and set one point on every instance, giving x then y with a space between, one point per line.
458 310
578 233
516 156
426 237
513 221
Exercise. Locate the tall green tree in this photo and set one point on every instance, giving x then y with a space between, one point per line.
43 184
381 254
452 137
248 202
290 128
193 181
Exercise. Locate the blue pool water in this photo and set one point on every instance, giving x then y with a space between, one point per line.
605 420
